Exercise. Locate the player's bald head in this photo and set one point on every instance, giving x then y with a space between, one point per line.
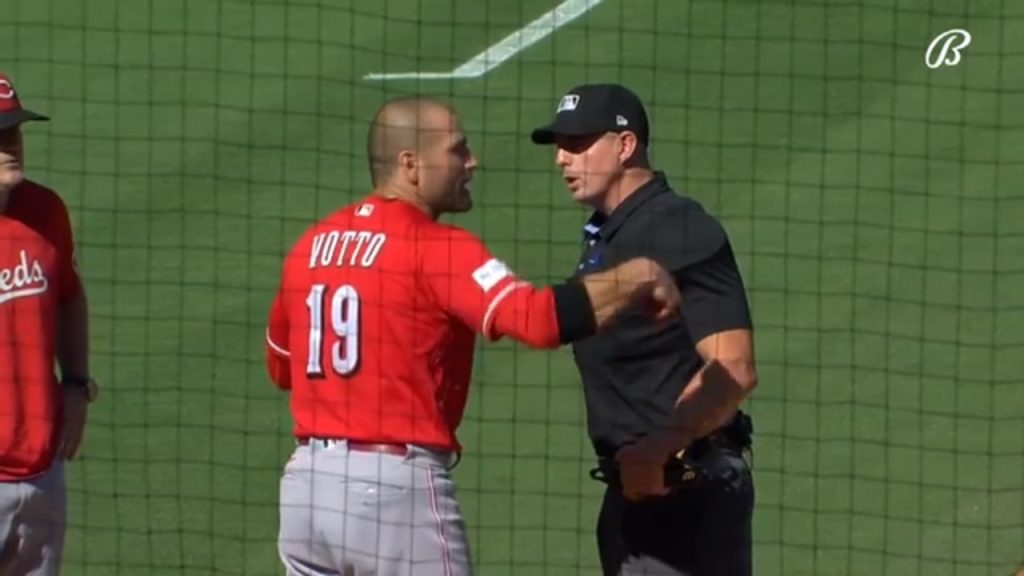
406 123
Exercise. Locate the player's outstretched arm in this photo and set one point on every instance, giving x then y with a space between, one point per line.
468 282
639 280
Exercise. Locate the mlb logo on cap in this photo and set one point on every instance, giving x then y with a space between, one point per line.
596 109
11 111
568 102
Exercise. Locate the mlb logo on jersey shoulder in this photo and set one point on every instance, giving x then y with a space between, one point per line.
569 102
364 210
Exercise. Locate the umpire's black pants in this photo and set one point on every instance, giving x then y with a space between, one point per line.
701 531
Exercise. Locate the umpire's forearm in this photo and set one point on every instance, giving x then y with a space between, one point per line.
73 336
709 401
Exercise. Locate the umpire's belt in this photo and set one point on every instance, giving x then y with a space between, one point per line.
679 473
684 470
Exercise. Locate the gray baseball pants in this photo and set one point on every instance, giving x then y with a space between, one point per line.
33 516
354 513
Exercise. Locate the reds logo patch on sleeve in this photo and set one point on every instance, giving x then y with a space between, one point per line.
6 90
490 273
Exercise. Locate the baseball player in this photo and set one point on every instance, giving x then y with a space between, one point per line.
43 317
373 329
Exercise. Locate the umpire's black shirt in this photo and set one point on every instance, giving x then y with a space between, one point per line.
634 371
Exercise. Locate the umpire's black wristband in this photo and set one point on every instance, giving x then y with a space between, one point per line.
574 311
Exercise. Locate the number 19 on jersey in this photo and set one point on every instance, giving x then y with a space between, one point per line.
343 313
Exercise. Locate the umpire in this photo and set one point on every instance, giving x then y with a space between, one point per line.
662 398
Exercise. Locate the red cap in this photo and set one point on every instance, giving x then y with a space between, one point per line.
11 112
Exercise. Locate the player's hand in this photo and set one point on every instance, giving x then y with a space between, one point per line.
660 294
642 468
72 431
665 296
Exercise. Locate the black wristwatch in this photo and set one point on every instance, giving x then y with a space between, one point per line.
85 384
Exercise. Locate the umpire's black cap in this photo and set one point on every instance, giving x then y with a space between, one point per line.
11 112
596 109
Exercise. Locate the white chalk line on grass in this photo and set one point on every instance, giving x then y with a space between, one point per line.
507 47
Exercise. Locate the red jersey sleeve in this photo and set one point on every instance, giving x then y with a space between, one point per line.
468 282
70 284
278 355
277 327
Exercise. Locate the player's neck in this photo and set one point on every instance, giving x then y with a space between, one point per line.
401 194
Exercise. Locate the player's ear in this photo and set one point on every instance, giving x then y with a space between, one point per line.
409 166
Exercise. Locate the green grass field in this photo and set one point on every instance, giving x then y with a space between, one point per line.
875 206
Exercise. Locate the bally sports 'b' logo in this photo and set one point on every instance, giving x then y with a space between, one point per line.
6 90
945 48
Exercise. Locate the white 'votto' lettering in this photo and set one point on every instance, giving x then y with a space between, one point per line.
346 248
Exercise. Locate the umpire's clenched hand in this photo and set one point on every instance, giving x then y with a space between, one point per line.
72 430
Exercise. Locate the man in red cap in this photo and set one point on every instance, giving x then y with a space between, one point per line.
43 317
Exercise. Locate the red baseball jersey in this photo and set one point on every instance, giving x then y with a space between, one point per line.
37 273
377 315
